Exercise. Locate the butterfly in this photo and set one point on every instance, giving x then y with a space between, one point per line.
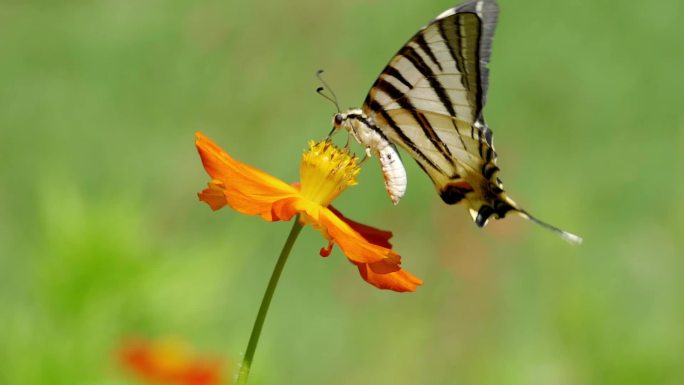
429 101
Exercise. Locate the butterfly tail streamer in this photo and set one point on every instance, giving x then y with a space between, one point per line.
567 236
504 204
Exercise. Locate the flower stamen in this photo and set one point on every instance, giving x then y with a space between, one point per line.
326 171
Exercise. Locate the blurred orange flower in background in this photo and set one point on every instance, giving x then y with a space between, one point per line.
325 171
169 362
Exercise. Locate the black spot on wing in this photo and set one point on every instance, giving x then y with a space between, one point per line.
483 215
454 193
501 208
488 170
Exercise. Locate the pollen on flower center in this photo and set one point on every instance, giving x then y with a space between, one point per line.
326 171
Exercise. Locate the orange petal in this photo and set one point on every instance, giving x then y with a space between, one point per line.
213 195
385 274
285 209
353 245
219 165
370 233
217 196
399 280
244 188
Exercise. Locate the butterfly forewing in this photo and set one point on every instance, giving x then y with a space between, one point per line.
429 98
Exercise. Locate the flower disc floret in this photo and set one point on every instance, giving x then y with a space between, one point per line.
326 171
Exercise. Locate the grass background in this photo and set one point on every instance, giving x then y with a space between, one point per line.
101 234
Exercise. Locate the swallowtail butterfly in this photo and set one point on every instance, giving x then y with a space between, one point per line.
429 101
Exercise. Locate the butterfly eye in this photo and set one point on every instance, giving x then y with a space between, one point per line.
338 119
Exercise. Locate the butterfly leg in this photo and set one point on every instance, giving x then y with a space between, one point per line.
366 156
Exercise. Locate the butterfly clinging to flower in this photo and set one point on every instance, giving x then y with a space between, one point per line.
429 101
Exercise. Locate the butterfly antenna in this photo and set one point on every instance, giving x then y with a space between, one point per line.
567 236
320 90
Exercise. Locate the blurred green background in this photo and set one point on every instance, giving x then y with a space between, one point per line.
101 233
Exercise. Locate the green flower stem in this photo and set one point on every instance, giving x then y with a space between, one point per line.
266 302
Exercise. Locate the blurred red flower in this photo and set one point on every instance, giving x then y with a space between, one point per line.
168 362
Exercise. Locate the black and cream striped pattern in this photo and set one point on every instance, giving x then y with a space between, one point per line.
429 100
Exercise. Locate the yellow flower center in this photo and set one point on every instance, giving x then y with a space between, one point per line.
326 171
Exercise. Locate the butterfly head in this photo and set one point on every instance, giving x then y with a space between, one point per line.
357 124
348 120
340 121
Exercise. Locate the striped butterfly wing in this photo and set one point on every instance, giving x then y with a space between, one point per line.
429 100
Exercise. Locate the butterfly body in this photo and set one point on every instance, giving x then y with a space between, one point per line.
363 129
429 100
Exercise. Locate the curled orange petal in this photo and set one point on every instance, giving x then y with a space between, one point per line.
400 280
353 245
369 233
213 195
382 274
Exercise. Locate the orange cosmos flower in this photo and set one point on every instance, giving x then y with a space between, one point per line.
168 362
325 172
